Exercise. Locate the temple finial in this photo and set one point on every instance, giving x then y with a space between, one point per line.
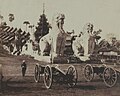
43 8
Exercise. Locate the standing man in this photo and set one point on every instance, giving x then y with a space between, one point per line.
24 67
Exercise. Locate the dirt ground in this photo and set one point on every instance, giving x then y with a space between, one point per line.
16 85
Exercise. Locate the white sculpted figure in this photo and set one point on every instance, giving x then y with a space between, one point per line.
55 38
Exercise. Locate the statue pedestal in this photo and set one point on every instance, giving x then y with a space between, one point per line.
60 60
66 60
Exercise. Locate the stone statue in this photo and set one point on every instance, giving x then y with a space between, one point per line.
55 38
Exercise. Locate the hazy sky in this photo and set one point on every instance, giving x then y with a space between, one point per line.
104 14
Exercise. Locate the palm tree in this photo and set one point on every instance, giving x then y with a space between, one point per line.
26 23
1 19
11 17
31 27
32 30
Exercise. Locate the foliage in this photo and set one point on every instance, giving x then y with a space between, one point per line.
11 17
43 27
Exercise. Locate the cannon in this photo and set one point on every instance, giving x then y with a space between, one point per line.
108 71
53 73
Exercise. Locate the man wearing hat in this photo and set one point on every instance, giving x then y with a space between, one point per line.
24 67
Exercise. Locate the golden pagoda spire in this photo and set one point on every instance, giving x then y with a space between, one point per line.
43 8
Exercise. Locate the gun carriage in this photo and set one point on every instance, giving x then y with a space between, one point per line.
53 73
109 68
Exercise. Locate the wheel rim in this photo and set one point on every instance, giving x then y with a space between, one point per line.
110 77
48 76
36 74
88 72
1 76
72 76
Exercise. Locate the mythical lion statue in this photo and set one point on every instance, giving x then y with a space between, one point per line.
55 38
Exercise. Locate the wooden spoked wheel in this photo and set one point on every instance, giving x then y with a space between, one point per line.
1 77
72 76
88 72
36 74
109 77
48 77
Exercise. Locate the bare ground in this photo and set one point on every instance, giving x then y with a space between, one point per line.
16 85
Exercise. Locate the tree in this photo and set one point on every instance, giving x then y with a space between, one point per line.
1 19
11 17
31 27
43 27
2 24
26 23
32 32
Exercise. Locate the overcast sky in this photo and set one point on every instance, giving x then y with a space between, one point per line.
104 14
